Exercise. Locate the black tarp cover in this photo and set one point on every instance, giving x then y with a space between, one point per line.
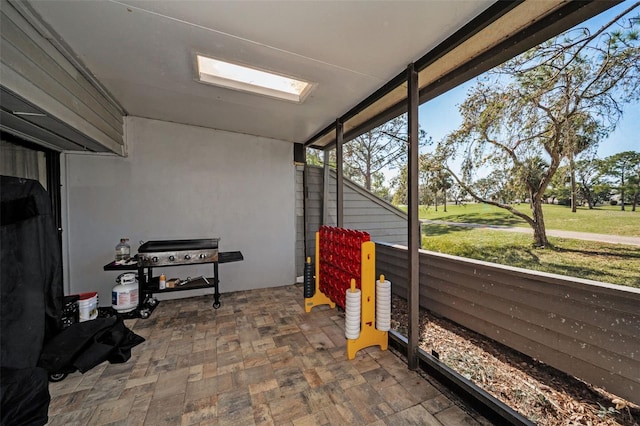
30 298
25 396
32 343
84 345
31 276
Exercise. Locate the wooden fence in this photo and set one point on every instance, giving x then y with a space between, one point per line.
585 328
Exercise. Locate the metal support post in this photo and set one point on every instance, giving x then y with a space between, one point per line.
325 188
339 176
414 225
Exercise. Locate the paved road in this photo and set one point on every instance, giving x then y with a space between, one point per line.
604 238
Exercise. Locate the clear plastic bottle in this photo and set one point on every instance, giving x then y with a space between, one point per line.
123 250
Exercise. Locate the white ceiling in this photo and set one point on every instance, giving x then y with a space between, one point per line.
142 52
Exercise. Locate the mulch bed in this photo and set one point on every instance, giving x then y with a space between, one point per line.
537 391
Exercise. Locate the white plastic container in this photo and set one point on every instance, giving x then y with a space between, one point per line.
88 306
353 304
124 296
383 304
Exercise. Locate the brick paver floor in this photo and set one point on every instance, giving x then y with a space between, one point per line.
259 359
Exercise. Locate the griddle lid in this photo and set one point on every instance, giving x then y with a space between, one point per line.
179 245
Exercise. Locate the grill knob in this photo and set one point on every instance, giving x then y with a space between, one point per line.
172 258
202 255
187 256
154 259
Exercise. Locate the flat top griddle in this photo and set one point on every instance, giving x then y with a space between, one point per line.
178 245
165 253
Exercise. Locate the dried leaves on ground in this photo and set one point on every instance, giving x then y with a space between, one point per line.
537 391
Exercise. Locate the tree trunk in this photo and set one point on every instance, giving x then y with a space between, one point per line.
572 167
367 177
590 200
622 192
588 195
445 199
539 231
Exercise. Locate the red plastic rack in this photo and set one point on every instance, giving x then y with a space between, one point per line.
340 261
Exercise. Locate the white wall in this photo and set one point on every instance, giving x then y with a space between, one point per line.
182 182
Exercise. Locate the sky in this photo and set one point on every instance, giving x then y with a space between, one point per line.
440 116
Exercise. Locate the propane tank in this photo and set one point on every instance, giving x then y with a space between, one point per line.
124 296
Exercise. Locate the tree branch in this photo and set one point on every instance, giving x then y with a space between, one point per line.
478 198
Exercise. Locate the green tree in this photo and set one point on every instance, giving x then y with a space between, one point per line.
579 143
624 169
381 148
457 193
439 183
589 180
399 187
375 150
635 182
559 189
428 172
500 186
378 187
432 179
546 106
586 176
315 157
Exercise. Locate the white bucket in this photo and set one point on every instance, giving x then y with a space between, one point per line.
88 306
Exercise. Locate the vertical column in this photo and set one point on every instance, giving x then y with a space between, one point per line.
414 234
339 177
325 188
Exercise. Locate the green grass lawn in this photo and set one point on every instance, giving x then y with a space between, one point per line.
611 263
601 220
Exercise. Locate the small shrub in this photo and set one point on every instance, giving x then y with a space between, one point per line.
613 202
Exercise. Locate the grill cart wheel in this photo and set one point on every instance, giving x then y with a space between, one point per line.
57 377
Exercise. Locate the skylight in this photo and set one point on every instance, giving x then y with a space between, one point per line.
239 77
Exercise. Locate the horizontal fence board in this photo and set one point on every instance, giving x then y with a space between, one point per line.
562 315
494 331
478 307
588 329
563 361
619 344
552 285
